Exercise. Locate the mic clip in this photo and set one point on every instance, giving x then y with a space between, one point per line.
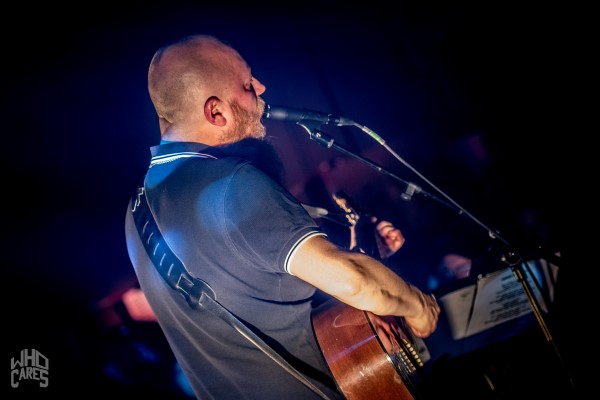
411 189
315 134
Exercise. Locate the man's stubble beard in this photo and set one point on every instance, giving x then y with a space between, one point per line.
248 140
247 123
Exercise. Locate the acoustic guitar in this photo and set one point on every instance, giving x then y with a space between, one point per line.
370 356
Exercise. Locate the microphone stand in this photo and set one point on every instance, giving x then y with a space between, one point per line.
518 265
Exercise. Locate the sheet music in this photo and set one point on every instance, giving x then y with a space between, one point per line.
496 298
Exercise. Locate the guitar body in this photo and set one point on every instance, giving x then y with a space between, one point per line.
370 357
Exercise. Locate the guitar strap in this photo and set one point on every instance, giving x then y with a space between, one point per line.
198 293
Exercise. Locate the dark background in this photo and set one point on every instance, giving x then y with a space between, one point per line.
479 101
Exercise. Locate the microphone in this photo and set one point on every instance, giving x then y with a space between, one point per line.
280 113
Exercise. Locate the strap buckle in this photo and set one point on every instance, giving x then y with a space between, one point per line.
192 289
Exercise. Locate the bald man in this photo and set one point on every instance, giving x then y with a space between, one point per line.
233 224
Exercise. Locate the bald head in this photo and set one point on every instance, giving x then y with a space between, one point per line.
203 91
183 74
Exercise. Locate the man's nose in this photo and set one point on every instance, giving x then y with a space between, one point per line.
259 88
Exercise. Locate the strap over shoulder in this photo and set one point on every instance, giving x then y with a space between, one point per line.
166 262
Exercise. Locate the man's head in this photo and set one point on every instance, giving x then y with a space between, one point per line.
203 91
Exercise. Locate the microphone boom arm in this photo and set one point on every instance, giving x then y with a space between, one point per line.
328 142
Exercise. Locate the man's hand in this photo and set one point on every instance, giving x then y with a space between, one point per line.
424 324
391 239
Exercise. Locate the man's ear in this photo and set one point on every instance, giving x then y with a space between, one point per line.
213 111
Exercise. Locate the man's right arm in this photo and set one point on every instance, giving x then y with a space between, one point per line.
364 283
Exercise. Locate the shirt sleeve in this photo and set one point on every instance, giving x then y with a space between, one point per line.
296 247
264 222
